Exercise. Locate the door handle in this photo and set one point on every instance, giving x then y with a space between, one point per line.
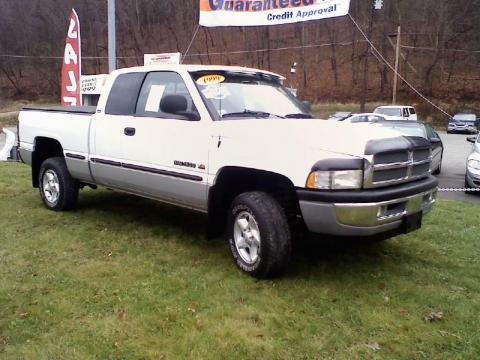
129 131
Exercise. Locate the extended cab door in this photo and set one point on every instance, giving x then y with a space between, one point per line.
109 124
163 155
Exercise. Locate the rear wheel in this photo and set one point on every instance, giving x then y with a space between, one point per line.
259 235
58 190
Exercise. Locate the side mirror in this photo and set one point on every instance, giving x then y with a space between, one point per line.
177 105
435 140
308 105
472 139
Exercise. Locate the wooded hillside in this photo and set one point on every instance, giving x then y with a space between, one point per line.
440 45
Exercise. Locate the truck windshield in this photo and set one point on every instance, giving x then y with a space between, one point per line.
236 95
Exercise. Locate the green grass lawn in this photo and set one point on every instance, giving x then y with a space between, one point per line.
127 278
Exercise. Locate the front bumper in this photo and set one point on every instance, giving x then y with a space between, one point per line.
365 213
473 178
463 130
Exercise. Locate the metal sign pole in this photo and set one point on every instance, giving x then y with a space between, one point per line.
112 51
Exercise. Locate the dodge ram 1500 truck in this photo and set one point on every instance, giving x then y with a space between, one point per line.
233 143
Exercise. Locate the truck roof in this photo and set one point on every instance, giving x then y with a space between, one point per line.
193 68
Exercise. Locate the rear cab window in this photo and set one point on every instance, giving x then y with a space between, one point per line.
122 99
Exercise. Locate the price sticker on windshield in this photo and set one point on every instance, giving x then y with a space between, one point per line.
211 79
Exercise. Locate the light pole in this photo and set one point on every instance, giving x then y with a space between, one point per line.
112 48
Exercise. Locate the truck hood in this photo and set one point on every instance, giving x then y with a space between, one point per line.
305 135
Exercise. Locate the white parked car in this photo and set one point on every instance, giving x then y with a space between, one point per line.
472 176
397 112
234 144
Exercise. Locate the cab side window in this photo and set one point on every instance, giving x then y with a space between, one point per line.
123 95
157 87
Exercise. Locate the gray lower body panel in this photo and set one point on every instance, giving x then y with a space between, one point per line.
80 170
363 219
185 193
25 156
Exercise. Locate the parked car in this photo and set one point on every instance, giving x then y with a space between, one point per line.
472 176
340 115
426 131
234 144
463 123
397 112
364 118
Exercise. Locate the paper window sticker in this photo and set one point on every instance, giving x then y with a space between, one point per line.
154 98
216 92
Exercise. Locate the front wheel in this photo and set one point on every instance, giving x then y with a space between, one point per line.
259 235
58 190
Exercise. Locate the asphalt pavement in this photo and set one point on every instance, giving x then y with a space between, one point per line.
456 151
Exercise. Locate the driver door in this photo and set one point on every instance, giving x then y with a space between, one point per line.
166 155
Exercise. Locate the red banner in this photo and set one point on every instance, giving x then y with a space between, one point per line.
72 64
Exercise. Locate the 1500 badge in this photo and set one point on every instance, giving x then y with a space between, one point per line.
185 164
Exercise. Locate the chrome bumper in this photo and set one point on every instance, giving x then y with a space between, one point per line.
364 219
473 178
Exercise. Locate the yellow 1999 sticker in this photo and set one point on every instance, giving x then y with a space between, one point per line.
211 79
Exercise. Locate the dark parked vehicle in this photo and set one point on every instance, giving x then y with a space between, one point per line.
463 123
340 115
420 129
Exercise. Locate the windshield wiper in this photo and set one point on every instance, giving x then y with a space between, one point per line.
250 113
299 116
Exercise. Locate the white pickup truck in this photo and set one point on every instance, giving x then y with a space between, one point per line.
233 143
397 112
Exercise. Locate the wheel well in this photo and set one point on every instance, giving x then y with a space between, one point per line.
45 148
232 181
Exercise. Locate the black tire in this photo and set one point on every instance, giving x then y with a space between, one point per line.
67 197
275 239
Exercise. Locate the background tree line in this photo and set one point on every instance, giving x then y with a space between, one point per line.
440 51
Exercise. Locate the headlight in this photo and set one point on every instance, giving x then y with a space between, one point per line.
474 164
335 180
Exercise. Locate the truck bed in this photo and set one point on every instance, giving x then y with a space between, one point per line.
65 124
88 110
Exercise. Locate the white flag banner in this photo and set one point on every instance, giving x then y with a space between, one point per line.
268 12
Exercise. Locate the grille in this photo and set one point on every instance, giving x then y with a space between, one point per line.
393 166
